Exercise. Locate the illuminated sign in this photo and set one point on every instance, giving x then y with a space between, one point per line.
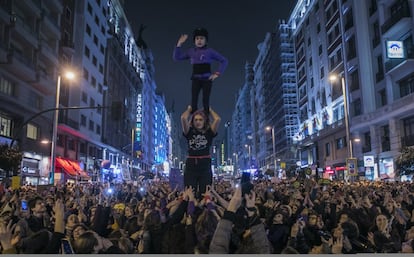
138 127
368 161
395 49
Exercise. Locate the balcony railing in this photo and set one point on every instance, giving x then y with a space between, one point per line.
389 65
403 13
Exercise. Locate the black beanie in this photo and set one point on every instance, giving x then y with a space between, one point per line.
200 32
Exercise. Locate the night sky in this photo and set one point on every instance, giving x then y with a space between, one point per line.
235 29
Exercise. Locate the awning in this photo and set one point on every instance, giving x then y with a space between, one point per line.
71 167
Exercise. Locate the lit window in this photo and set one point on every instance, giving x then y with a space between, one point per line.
31 131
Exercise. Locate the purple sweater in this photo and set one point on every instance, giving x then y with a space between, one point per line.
201 56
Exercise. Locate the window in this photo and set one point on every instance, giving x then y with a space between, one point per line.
99 109
32 131
385 138
92 102
5 126
93 81
313 106
320 49
68 15
351 48
357 107
88 30
383 97
327 149
71 144
98 129
322 72
6 87
91 125
101 68
377 36
340 143
323 98
95 40
367 142
83 120
406 85
354 81
97 20
85 74
94 61
84 97
318 28
349 19
89 9
100 88
87 51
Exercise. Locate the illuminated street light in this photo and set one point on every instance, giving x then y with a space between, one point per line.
332 78
250 155
69 75
272 128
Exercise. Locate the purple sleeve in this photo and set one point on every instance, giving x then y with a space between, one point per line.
190 208
223 62
179 54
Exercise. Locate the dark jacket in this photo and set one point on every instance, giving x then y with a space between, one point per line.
220 244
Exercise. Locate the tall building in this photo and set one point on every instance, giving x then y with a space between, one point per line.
241 122
276 100
369 45
112 132
29 67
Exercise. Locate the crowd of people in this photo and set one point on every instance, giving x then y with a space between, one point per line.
150 217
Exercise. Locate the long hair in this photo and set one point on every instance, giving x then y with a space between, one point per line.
204 228
202 114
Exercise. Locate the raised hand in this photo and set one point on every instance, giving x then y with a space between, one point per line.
235 201
182 39
6 236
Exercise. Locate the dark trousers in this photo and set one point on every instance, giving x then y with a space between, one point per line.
198 174
196 87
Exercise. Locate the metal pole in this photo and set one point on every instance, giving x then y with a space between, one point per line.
54 135
274 149
132 149
250 157
346 114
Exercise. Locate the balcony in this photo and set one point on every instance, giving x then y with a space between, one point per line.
393 25
407 140
408 62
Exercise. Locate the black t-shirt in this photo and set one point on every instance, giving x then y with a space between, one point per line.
199 142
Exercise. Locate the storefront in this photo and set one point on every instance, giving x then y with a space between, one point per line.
67 170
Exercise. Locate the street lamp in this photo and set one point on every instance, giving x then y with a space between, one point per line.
236 162
334 77
69 75
272 128
250 155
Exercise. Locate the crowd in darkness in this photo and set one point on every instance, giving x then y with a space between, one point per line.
151 217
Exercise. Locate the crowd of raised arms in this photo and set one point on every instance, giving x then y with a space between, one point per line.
150 217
